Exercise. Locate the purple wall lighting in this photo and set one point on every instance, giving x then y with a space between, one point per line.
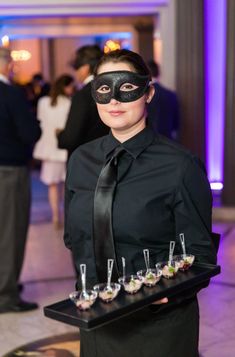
215 58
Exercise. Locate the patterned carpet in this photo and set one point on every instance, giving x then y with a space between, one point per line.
66 345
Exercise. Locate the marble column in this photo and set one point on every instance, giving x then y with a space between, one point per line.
145 40
190 74
228 195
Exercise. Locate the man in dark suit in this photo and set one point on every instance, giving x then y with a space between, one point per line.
83 122
163 110
19 130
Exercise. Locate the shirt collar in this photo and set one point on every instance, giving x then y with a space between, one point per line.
88 79
134 146
4 79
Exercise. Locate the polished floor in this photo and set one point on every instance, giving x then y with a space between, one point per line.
48 277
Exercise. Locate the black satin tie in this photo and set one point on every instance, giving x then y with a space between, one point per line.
102 220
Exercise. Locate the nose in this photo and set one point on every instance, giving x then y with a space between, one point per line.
114 101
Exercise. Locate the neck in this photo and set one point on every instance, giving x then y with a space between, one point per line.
4 77
4 72
5 69
124 135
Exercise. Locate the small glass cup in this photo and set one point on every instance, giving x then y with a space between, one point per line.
150 276
131 283
169 269
185 261
83 302
107 293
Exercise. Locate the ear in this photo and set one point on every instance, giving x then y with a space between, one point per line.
87 68
9 68
150 93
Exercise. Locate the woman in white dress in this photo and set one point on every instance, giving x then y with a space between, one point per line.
52 111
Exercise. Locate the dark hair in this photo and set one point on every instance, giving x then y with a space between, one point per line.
89 54
154 68
127 56
58 87
37 77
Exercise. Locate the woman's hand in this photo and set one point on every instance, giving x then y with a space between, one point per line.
161 301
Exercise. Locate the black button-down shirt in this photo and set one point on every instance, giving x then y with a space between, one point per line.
162 191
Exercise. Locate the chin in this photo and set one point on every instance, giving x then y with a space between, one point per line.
115 124
119 128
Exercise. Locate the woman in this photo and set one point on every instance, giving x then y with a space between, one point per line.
52 112
161 191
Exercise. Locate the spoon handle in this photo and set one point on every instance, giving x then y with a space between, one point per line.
182 241
123 267
83 276
171 250
146 258
110 269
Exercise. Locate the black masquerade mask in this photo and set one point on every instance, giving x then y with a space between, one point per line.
110 85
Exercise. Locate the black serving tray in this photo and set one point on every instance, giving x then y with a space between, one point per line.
101 313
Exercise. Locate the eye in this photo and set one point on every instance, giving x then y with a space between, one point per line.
103 89
127 87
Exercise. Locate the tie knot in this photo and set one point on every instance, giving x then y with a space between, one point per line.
117 153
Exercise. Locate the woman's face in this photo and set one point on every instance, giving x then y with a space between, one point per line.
69 89
82 73
124 118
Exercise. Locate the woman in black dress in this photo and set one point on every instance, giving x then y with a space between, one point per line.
162 190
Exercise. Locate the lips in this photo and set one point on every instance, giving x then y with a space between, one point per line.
116 113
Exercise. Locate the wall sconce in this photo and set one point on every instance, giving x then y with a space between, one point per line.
21 55
111 45
5 41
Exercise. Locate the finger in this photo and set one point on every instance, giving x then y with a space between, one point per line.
162 301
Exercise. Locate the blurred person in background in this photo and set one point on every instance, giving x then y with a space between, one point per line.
53 112
19 130
83 122
36 89
41 88
163 110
